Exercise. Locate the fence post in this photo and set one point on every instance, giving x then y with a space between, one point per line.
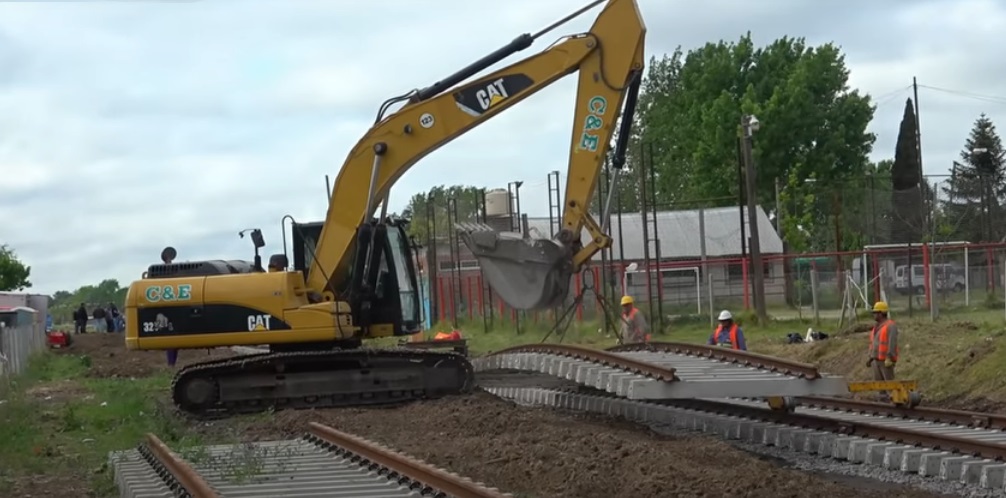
933 284
705 266
967 279
813 295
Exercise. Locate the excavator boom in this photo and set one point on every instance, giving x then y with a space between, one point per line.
609 57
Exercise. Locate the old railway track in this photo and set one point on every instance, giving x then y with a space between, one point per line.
324 463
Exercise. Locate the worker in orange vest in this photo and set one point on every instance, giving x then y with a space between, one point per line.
634 327
883 343
728 334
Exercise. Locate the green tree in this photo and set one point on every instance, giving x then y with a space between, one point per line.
425 210
107 291
977 186
813 126
863 216
907 207
13 273
626 196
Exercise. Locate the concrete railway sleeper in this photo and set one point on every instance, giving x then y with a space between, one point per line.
755 360
646 373
972 461
324 463
938 415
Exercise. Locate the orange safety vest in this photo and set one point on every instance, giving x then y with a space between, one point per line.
733 336
630 320
630 317
882 346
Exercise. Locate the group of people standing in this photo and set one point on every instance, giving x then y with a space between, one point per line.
882 355
106 319
635 329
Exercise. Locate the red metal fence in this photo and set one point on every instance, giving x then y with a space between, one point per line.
916 279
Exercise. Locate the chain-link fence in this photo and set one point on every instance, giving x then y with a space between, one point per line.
914 279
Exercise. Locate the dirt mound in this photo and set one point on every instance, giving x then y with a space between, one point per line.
110 359
545 453
956 362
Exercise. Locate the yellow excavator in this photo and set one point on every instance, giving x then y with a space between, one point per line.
353 275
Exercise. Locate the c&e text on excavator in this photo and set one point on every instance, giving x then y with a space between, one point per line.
353 275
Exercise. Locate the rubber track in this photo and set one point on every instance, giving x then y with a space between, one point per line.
251 362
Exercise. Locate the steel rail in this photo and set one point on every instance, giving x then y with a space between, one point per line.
436 479
179 473
938 415
760 361
940 442
606 358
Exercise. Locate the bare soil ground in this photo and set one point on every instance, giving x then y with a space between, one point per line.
545 453
110 359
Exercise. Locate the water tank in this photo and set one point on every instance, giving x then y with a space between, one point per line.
497 203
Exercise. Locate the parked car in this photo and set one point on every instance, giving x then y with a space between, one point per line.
946 277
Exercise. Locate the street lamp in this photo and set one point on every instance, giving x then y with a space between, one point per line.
625 273
985 196
749 125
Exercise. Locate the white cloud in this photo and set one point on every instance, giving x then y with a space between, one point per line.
128 126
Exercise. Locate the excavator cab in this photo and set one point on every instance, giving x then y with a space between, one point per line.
385 292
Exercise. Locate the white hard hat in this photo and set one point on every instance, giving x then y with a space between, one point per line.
725 315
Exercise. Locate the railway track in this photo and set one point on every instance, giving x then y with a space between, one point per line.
948 444
324 463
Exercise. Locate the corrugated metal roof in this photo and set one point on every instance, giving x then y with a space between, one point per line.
678 232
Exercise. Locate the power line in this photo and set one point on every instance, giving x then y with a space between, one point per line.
995 99
889 96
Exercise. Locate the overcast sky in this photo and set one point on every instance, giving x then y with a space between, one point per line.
129 126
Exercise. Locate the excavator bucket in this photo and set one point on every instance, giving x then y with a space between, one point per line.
527 273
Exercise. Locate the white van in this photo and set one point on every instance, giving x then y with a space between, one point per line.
947 277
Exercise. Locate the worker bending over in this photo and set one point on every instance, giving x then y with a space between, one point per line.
634 328
728 334
883 343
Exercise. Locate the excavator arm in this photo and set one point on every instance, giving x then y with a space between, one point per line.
609 58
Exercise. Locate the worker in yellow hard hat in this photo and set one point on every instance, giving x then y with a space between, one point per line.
634 327
883 354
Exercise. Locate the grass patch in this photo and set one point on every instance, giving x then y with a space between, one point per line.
957 358
54 419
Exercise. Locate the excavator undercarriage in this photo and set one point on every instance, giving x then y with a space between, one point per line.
318 379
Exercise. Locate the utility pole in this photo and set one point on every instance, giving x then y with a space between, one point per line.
740 197
918 136
918 127
778 210
750 124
